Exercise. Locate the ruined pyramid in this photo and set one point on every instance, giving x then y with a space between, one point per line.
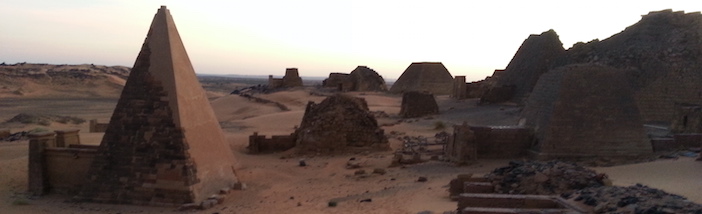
430 77
163 145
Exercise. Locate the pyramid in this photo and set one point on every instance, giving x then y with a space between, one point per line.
585 110
430 77
163 145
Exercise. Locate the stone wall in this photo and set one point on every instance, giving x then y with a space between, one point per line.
585 110
471 143
462 145
459 88
503 141
97 127
67 168
58 163
688 119
338 81
261 144
418 104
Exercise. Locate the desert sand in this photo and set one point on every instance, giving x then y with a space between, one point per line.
276 184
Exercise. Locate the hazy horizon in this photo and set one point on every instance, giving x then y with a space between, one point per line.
318 37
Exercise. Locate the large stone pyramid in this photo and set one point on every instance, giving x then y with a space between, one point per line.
430 77
585 110
163 145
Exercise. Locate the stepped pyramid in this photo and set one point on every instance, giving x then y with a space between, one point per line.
431 77
163 145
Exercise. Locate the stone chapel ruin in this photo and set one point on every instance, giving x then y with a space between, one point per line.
291 79
163 145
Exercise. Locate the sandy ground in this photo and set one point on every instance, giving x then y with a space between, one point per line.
276 184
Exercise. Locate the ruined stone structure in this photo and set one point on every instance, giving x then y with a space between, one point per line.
468 143
97 127
664 50
477 89
58 163
291 79
537 55
261 144
459 88
462 146
418 104
431 77
688 119
164 145
360 79
338 81
585 110
339 123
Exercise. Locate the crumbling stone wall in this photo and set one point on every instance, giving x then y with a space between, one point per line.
261 144
503 141
338 81
468 143
688 119
432 77
459 91
462 146
97 127
585 110
58 163
339 123
418 104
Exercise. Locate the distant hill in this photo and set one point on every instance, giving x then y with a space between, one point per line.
46 80
39 80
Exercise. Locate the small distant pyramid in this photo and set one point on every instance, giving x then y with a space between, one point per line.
430 77
163 145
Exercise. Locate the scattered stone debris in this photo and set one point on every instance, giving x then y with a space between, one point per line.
632 199
380 171
366 200
302 162
543 178
16 136
422 179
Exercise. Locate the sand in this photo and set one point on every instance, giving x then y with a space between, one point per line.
276 184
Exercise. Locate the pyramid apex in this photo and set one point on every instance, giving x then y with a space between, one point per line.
163 7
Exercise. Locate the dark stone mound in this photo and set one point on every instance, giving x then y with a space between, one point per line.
543 178
339 123
632 199
418 104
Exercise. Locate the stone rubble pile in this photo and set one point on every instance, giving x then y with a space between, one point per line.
543 178
632 199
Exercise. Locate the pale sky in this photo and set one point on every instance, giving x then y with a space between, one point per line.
261 37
